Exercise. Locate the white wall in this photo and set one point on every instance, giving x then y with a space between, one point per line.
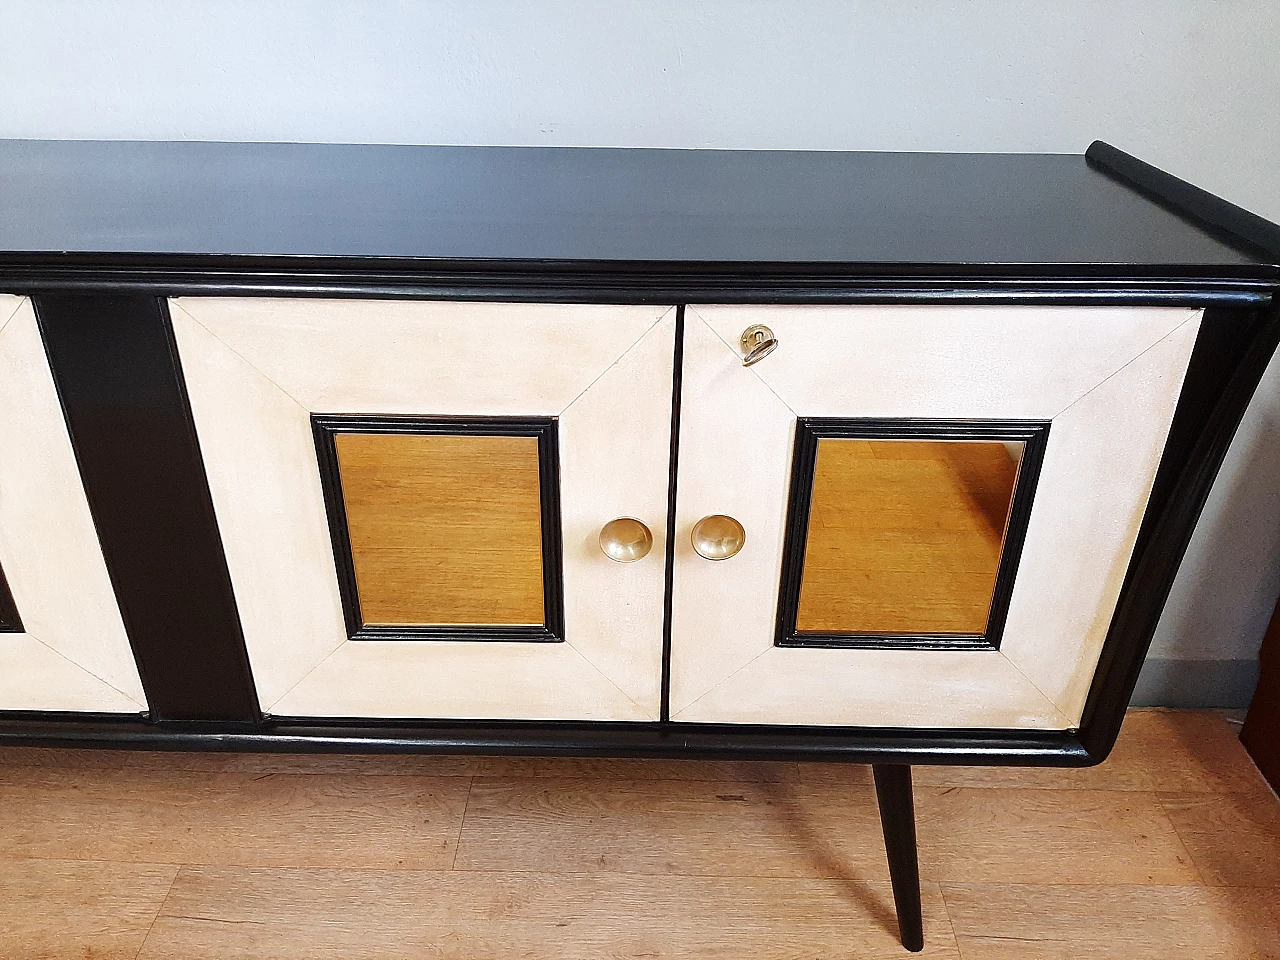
1191 85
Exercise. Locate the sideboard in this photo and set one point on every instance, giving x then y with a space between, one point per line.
883 458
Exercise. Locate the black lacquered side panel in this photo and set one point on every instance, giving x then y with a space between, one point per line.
1231 354
116 369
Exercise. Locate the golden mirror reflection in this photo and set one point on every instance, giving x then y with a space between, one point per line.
444 529
905 535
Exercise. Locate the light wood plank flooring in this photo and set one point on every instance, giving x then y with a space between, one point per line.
1169 850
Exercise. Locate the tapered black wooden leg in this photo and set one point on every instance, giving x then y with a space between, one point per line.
898 821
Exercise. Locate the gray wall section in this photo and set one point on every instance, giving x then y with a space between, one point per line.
1190 85
1196 683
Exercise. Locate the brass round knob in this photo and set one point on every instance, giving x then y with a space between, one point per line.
718 537
757 342
625 540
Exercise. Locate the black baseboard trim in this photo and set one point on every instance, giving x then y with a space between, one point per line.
554 738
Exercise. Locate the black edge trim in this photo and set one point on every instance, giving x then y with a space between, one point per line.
1225 368
809 430
10 622
636 282
677 381
1221 217
324 427
116 368
557 738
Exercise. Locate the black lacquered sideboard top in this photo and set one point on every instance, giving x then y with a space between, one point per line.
119 211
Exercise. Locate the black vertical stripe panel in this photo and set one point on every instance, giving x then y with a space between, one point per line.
10 622
115 365
677 381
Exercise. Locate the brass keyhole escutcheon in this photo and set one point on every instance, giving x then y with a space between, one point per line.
757 342
718 537
626 540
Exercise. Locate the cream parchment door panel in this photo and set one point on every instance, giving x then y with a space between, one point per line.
72 652
444 521
1104 380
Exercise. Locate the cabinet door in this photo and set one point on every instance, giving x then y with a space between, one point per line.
411 497
62 640
932 508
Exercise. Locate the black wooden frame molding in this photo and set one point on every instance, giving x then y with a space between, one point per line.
1034 434
325 428
118 377
10 621
549 281
673 740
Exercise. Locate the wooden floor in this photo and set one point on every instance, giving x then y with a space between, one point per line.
1170 850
